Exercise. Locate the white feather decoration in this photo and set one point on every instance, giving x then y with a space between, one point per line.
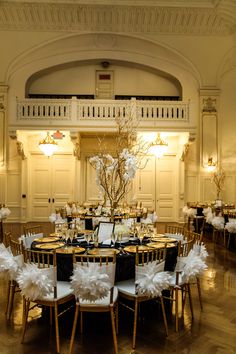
151 283
218 222
194 266
231 227
35 283
88 283
8 263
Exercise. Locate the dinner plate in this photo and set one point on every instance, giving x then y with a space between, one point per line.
103 251
156 245
49 246
132 249
47 239
70 250
164 239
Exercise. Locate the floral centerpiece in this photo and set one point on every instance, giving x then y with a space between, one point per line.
218 178
116 170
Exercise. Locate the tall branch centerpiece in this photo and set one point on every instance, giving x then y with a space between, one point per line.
218 178
115 170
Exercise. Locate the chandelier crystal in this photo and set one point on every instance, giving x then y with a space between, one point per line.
48 145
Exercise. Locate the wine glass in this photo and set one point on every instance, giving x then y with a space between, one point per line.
141 235
114 237
66 236
88 238
71 235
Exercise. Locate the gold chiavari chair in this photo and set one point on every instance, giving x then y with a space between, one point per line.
174 229
231 214
30 234
103 265
178 286
128 288
13 287
6 238
61 292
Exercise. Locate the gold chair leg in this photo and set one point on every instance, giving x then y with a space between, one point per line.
8 296
50 316
199 292
26 307
113 325
117 318
57 328
81 322
74 329
135 323
176 310
164 315
228 243
190 299
11 298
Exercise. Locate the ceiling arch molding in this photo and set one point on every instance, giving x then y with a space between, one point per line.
95 46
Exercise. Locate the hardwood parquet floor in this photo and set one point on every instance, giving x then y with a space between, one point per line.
213 330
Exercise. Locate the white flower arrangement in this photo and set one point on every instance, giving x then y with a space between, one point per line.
4 212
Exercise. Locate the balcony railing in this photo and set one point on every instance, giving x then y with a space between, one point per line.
77 111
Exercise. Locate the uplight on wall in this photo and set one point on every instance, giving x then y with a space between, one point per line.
48 145
158 147
211 164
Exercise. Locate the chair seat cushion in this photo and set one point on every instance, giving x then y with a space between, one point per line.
101 302
126 287
63 290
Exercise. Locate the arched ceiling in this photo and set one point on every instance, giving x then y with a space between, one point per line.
202 17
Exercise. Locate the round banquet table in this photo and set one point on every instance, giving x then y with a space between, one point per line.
125 262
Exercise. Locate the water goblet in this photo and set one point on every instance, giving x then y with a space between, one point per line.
88 238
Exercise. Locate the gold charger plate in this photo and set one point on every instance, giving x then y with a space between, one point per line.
165 239
70 250
54 234
102 251
132 249
47 239
156 244
50 245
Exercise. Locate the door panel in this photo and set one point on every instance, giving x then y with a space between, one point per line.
52 184
166 188
145 184
104 84
92 194
63 172
40 187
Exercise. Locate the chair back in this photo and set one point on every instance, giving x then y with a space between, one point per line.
106 263
33 230
152 256
6 239
38 277
174 229
185 247
16 247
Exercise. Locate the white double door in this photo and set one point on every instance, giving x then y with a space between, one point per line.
51 184
157 186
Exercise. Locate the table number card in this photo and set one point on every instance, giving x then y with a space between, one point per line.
105 230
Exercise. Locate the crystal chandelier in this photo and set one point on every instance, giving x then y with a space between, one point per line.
158 147
48 145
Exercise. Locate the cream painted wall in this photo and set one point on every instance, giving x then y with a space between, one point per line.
127 81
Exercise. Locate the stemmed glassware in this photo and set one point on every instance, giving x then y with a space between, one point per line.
113 238
66 236
88 238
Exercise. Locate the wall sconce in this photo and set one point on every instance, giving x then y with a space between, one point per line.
158 147
48 145
211 164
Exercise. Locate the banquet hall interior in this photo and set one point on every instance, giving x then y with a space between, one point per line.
146 88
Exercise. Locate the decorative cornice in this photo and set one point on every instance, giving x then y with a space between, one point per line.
179 17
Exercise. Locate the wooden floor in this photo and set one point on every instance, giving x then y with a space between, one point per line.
213 330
